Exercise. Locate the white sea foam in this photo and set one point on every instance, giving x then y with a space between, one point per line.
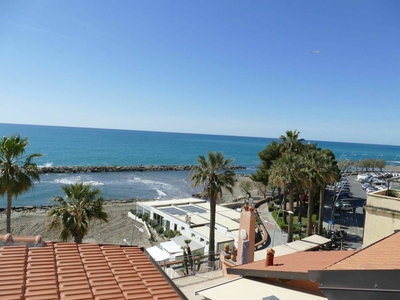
93 183
68 180
161 193
77 179
46 165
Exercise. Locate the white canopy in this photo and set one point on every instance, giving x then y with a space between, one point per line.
157 254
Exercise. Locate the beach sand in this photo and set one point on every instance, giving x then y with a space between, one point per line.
118 228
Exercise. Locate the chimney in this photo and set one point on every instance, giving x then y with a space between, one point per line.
270 257
245 252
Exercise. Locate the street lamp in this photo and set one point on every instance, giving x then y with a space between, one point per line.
394 161
276 221
359 161
133 230
379 155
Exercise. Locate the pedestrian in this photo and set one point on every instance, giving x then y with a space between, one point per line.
354 209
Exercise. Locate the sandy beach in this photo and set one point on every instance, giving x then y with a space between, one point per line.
118 228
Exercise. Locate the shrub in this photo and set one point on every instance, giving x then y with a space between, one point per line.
145 218
153 223
169 233
271 206
159 229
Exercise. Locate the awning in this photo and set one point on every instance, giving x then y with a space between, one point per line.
305 244
239 289
157 254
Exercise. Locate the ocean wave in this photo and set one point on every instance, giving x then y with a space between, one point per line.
68 180
77 179
46 165
161 189
161 193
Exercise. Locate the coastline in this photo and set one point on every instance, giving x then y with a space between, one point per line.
102 169
31 221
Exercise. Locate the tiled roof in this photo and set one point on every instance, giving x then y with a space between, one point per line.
383 255
298 262
84 271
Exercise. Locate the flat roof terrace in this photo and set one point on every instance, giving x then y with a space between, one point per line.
160 203
195 220
222 220
219 237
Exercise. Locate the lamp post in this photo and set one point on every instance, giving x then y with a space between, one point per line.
133 230
394 161
359 161
379 155
276 222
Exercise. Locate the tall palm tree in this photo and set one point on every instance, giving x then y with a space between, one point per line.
285 172
291 142
214 173
312 166
73 214
329 172
17 172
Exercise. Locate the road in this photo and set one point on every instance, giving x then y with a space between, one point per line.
352 223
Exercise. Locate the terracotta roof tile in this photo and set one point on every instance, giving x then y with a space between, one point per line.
76 272
382 255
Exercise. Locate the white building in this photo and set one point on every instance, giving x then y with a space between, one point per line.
191 217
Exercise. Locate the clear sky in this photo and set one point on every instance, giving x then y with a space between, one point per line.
329 69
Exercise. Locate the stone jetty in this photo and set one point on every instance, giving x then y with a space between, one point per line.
98 169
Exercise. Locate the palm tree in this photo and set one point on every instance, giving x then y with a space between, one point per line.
329 172
18 172
285 172
73 214
312 166
291 142
214 173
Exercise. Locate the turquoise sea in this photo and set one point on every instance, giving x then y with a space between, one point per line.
67 146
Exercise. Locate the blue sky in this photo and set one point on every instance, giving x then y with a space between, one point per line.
329 69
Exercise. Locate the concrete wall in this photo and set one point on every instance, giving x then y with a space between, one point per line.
382 217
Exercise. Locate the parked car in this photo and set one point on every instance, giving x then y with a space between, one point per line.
365 186
342 193
371 189
340 204
346 207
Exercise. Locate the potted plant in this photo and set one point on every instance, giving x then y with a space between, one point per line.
226 247
234 253
227 251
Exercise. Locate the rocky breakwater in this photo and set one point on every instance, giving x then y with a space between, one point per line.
141 168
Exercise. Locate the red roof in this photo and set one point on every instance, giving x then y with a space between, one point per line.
382 255
84 271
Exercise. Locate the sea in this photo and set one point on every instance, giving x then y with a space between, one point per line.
72 146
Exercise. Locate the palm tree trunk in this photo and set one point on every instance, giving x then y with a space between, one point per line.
310 210
78 239
299 204
284 208
321 209
8 219
211 243
290 227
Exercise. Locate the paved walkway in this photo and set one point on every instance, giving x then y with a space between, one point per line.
280 237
